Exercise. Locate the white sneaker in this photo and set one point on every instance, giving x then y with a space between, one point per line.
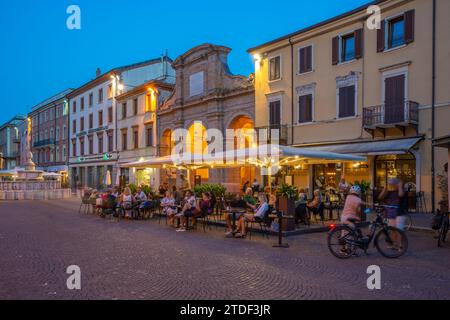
180 230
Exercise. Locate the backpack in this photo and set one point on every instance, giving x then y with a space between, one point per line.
436 222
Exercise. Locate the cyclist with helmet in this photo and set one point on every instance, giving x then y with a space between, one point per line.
352 207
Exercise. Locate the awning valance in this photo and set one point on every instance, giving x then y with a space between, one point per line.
371 148
264 155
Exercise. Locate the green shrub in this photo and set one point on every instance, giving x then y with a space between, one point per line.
216 189
288 191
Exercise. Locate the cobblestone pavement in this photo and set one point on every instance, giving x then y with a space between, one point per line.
144 260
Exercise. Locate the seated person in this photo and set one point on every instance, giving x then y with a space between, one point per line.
271 196
203 207
169 208
109 203
249 199
239 205
313 206
188 209
140 195
300 208
127 202
258 216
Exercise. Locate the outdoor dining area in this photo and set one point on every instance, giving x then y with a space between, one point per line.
256 208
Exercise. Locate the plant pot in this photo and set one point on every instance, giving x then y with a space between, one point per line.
286 205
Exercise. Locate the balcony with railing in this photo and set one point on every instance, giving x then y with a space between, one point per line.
273 132
44 143
393 115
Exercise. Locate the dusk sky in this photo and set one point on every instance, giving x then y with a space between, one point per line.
40 57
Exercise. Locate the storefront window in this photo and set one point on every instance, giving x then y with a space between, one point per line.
329 175
396 166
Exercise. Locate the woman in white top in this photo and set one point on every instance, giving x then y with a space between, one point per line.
168 205
260 213
127 202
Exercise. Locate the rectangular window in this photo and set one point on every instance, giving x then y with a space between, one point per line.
82 104
57 134
275 68
110 115
63 156
100 95
305 108
396 32
91 99
124 141
82 124
74 126
100 144
348 47
124 110
135 106
91 145
136 138
91 121
82 146
305 59
149 136
63 133
110 143
74 107
347 102
275 113
100 118
110 93
74 148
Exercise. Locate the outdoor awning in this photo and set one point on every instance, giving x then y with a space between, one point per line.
264 155
371 148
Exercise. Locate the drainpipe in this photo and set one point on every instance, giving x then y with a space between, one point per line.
433 106
292 91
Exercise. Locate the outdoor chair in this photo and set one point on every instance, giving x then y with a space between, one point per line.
264 225
85 204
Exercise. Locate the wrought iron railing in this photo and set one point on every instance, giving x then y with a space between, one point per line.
408 112
273 132
42 143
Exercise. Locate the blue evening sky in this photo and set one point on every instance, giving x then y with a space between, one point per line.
40 57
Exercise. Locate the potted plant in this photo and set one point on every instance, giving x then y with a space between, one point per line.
287 195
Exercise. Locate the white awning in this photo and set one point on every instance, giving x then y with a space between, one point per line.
264 154
371 148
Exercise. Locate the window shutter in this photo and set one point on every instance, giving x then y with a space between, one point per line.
335 48
359 43
302 60
380 37
409 26
308 108
309 58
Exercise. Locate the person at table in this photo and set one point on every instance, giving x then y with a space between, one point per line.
116 192
177 195
258 216
140 195
162 190
245 186
169 208
300 208
187 211
255 186
239 206
313 206
249 199
203 208
127 202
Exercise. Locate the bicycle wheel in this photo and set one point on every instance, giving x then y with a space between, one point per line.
443 232
391 242
342 242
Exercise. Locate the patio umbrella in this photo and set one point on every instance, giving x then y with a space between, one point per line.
108 178
118 177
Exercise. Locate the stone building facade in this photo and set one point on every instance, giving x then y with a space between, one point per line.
209 96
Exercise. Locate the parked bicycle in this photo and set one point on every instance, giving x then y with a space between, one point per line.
344 240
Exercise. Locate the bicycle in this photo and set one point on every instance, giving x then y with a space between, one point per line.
407 216
443 230
344 240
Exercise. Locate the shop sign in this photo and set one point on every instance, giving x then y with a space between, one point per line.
105 157
90 131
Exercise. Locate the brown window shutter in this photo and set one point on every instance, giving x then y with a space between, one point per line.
359 43
309 58
409 26
335 46
380 37
302 60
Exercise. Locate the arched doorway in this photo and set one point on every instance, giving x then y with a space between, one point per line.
166 143
245 137
197 144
